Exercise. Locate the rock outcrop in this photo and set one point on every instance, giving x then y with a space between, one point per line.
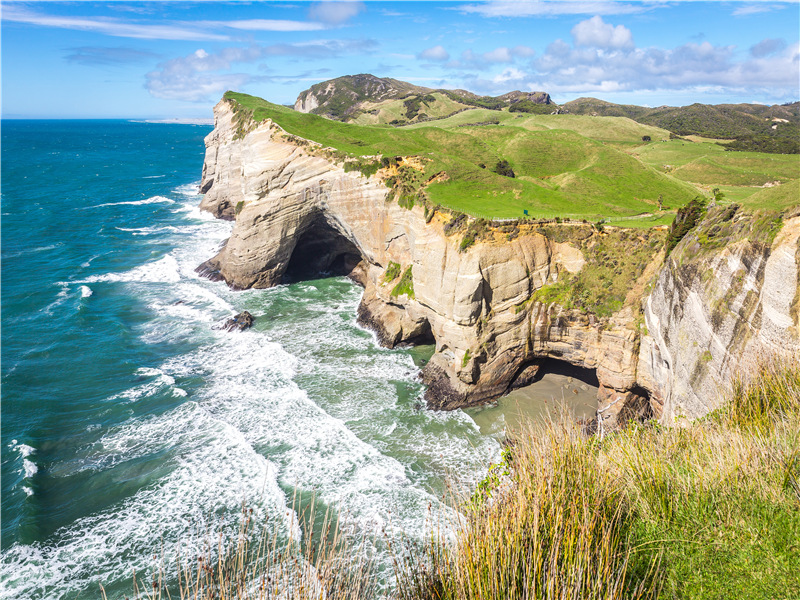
727 295
297 210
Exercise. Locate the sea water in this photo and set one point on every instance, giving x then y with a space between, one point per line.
133 427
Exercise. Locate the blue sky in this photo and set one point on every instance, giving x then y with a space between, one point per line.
175 59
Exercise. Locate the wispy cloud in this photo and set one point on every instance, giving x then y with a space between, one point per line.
202 30
109 26
552 8
530 8
335 12
101 55
266 25
202 76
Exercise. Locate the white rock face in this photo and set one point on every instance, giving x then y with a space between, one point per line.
293 209
711 314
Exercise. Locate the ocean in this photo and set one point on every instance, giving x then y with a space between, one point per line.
134 429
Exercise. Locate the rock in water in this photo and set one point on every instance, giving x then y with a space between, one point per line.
244 320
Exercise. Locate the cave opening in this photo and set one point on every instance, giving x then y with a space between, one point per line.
321 251
532 371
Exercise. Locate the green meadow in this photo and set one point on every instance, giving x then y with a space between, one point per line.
566 166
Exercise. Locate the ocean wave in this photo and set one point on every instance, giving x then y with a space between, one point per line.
209 470
164 270
149 230
26 251
153 200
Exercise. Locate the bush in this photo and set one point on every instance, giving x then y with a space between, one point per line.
687 218
405 285
392 271
504 168
466 242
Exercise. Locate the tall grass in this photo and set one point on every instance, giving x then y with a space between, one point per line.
711 510
258 564
559 528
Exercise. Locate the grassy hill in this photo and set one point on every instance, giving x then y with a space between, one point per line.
366 99
564 165
774 129
558 172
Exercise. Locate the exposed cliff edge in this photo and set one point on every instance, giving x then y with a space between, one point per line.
297 209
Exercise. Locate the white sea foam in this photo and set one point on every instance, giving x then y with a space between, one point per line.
33 250
25 450
189 189
153 176
29 468
164 270
153 200
86 291
28 491
148 230
208 469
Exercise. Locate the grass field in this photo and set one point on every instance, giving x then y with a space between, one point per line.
390 110
740 175
572 166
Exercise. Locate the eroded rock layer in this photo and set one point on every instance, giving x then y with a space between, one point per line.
296 210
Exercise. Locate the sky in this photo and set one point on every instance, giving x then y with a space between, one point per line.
174 60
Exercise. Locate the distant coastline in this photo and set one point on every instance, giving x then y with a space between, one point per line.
175 121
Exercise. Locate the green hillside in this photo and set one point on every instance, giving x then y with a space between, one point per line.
559 172
774 129
567 166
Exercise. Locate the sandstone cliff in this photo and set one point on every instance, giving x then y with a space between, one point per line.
728 294
296 209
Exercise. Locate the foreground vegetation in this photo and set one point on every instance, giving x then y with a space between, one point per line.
710 510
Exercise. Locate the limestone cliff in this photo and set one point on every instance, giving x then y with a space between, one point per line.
727 294
296 209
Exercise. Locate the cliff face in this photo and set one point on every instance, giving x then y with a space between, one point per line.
727 295
296 210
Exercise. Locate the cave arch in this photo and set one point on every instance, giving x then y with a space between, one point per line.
321 250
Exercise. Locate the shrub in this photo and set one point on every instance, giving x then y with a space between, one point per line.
392 271
405 285
466 242
687 218
504 168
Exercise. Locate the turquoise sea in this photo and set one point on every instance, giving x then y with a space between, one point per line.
131 427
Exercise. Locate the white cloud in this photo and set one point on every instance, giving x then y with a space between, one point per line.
597 33
435 53
333 12
584 69
531 8
112 27
498 55
201 76
510 74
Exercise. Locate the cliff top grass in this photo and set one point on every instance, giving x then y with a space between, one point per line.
558 172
